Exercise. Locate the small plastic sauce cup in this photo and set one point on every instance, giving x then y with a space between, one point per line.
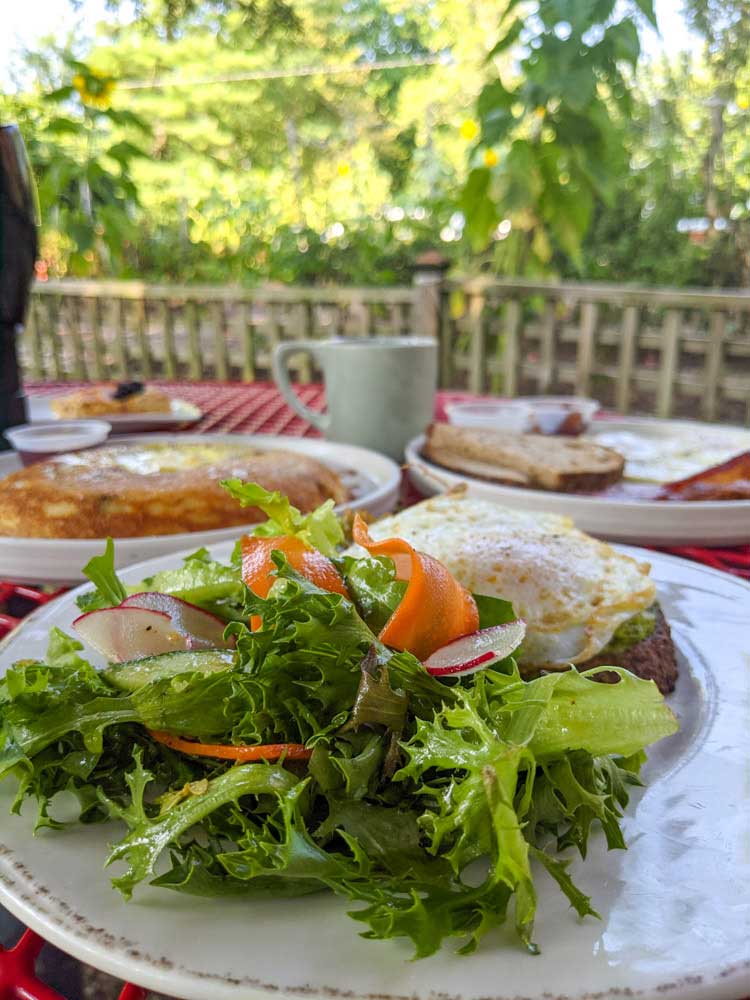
565 415
499 415
37 442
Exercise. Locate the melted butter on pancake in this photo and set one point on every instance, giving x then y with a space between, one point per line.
150 459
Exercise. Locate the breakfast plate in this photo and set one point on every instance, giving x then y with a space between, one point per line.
182 414
373 481
623 515
675 907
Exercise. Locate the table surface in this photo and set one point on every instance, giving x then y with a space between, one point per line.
259 408
255 408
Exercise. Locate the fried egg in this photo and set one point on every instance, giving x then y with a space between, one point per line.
658 454
572 590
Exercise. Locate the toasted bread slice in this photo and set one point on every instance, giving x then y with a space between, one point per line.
537 461
653 658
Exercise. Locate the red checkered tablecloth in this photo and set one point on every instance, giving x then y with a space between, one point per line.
257 408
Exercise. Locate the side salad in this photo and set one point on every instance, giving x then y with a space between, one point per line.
299 719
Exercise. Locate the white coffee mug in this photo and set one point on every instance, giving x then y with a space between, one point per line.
380 391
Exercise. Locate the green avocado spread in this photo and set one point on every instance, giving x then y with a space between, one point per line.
634 630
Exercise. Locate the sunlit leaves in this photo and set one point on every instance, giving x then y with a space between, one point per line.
82 151
479 206
646 7
558 125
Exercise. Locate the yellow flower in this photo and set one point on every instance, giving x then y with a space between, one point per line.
540 112
94 88
343 169
743 102
491 159
469 129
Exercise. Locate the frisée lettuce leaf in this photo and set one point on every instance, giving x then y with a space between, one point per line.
109 588
321 529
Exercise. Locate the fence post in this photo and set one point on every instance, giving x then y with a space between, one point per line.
428 278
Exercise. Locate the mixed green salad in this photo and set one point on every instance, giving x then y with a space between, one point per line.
262 738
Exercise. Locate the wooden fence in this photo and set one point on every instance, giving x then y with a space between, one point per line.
665 351
679 352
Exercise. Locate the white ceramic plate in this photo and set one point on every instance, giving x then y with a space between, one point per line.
675 906
181 413
373 479
647 522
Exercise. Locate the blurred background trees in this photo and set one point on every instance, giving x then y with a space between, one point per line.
310 140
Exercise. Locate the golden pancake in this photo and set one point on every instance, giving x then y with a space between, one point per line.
103 401
129 490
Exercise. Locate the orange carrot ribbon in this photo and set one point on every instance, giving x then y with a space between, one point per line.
435 609
225 751
258 567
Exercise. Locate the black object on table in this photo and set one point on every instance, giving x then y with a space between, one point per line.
18 248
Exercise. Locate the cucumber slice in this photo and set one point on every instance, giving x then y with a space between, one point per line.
133 674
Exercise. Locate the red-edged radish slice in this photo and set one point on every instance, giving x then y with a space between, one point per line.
130 633
203 630
476 651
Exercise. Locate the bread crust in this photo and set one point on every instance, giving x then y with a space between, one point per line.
131 490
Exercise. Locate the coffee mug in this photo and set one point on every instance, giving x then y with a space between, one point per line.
380 391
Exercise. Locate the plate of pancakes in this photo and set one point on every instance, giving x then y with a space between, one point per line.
130 407
162 493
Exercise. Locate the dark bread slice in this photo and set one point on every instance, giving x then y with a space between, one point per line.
537 461
653 658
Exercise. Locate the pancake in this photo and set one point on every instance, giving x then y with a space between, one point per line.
110 400
158 488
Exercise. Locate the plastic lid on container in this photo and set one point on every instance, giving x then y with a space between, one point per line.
63 435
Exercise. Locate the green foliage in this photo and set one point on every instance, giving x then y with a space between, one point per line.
86 189
582 157
552 129
725 27
292 178
264 18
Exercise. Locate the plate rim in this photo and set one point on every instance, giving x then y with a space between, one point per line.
681 423
414 456
119 419
151 972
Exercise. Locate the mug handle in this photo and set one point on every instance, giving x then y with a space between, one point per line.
321 421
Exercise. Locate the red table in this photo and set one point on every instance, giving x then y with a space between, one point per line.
257 408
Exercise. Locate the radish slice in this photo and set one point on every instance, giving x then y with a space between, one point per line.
130 633
476 651
203 630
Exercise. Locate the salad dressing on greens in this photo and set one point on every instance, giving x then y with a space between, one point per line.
315 751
